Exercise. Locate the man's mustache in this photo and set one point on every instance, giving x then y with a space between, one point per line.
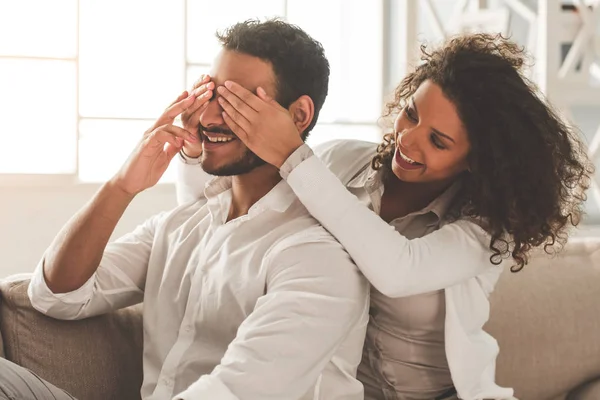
215 129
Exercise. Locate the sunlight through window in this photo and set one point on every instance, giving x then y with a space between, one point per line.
82 80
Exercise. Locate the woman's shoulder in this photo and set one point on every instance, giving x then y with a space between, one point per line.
345 149
346 157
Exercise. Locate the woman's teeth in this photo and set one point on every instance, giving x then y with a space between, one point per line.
219 139
408 160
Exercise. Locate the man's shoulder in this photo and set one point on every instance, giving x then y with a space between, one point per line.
346 157
183 213
303 226
299 227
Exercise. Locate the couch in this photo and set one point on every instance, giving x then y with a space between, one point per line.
546 319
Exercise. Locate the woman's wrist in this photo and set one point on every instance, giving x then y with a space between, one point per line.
303 152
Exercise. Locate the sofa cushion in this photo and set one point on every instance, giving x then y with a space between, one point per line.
587 391
546 321
95 358
1 341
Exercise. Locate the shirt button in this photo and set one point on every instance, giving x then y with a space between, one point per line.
188 328
168 382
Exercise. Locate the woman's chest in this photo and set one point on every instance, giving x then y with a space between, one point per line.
418 317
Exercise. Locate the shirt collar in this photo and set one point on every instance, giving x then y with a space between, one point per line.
279 199
216 186
362 177
438 207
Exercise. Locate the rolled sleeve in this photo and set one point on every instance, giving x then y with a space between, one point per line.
117 282
43 299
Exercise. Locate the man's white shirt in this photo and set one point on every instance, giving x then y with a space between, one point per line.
266 306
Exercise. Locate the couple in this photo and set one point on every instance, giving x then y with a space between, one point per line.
251 288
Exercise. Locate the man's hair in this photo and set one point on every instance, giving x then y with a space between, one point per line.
298 61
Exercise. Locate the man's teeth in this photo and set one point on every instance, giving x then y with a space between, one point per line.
219 139
408 160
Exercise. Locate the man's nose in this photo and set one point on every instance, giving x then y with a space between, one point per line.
212 116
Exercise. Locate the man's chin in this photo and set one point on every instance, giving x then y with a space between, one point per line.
240 168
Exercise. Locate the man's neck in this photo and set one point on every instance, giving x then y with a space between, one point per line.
247 189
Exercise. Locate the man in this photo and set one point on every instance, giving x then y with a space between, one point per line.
245 295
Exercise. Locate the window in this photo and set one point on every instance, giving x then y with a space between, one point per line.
82 80
572 83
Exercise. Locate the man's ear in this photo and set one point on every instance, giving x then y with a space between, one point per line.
302 112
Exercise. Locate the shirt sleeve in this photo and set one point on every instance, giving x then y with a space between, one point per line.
118 282
191 179
310 306
300 154
395 265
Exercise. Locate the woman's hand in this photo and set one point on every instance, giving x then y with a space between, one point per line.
203 90
265 127
158 146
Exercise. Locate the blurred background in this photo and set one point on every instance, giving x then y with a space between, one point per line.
81 80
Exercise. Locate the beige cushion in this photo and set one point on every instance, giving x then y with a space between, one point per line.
546 319
1 341
96 358
588 391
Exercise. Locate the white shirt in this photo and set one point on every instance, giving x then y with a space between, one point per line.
454 258
266 306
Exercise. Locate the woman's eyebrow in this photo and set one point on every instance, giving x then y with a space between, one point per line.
414 105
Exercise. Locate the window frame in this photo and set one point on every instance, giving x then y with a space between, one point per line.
8 180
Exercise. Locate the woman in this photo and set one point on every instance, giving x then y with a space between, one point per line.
477 172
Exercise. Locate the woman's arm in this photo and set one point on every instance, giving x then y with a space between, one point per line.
395 265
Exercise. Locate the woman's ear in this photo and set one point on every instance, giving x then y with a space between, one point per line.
302 111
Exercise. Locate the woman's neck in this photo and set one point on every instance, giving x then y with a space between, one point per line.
402 198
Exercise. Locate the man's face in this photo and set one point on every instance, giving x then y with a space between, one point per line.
223 153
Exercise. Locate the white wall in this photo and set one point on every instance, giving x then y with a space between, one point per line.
31 217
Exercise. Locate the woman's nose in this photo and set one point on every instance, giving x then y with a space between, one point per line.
408 137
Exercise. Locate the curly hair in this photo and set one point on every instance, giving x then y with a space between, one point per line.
528 169
298 61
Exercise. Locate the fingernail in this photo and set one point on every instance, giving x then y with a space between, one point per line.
261 91
207 94
221 89
228 84
210 85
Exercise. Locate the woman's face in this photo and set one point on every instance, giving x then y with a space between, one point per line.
431 142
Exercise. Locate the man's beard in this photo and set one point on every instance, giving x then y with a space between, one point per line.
246 163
